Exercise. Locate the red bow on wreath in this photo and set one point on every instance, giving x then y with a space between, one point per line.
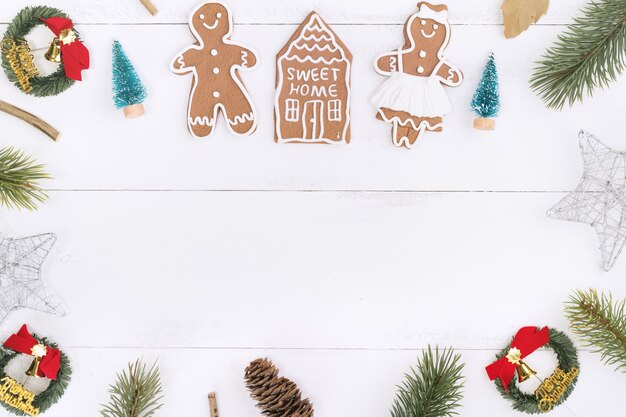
50 358
526 341
74 54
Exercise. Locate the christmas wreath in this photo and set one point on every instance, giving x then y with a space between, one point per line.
49 364
555 390
66 49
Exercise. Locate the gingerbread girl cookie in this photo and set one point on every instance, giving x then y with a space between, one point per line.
413 99
214 60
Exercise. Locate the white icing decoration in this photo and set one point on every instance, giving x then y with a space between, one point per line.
248 117
433 33
216 70
202 121
316 47
422 54
426 12
216 94
213 26
420 69
393 63
214 52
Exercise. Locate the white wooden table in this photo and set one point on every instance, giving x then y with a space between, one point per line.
338 263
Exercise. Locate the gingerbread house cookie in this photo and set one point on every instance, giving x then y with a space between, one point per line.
313 74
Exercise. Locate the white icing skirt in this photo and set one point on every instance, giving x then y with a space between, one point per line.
418 96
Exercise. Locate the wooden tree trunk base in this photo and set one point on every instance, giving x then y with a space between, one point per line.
134 111
484 124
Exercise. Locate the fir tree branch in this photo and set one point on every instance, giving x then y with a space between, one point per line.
434 388
591 53
136 393
600 323
18 180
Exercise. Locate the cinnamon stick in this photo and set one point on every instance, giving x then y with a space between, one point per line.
213 404
30 119
150 7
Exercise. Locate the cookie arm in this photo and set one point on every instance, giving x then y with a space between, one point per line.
184 62
248 58
387 63
450 75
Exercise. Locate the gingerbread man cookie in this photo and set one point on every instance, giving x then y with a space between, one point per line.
413 99
214 60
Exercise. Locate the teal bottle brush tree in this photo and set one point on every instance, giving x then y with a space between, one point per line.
486 101
128 91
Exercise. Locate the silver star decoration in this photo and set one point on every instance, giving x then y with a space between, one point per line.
599 200
21 285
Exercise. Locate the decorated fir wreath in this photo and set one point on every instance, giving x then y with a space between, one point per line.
552 392
66 49
34 373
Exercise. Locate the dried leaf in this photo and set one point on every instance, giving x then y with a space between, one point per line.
520 14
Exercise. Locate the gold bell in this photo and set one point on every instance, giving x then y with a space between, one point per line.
524 372
38 351
33 369
54 51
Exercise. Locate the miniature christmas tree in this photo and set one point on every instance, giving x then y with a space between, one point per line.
128 91
486 101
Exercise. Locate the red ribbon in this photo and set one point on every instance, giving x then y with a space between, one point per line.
23 342
75 55
527 340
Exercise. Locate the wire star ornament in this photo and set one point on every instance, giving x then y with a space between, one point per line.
21 285
599 200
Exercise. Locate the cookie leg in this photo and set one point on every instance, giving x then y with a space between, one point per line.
435 124
240 114
201 120
400 134
414 135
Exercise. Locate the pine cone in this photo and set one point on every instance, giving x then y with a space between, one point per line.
275 396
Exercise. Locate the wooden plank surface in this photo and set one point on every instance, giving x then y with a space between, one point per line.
279 12
532 149
339 263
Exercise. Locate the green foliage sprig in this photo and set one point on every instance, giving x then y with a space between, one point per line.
136 393
18 180
434 388
600 323
590 53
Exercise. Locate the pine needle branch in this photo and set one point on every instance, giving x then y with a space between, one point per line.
434 388
601 323
136 393
18 180
590 54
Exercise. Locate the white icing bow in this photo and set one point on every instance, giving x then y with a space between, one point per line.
426 12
